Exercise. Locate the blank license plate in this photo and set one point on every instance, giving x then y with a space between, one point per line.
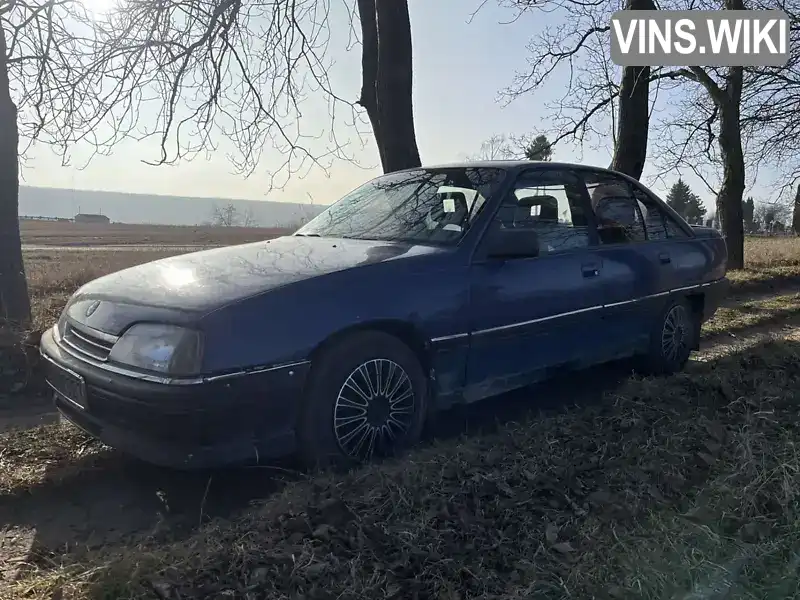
68 385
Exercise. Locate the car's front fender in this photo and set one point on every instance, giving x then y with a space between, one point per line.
289 323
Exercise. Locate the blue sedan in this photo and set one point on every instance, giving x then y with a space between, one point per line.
419 290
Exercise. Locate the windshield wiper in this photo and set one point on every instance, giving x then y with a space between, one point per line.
308 235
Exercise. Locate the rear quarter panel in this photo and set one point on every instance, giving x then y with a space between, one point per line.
699 260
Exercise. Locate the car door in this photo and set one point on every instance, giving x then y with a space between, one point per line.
531 314
687 257
637 261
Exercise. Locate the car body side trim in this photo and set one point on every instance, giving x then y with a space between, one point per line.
540 320
447 338
575 312
257 370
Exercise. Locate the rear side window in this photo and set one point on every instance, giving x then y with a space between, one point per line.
654 220
660 225
616 209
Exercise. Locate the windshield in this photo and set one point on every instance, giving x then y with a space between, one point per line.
428 206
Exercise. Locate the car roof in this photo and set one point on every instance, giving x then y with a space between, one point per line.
514 165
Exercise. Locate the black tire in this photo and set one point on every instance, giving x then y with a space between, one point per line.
345 375
672 339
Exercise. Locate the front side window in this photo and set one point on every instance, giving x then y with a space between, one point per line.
616 209
427 206
549 204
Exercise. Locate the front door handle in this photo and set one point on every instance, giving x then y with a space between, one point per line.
665 258
591 270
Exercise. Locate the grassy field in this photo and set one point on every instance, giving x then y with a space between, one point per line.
679 487
64 233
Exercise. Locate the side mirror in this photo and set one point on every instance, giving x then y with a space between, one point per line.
513 243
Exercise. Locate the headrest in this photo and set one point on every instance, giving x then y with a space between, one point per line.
608 190
548 206
458 199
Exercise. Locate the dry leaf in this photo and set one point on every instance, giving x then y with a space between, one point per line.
551 533
563 547
706 458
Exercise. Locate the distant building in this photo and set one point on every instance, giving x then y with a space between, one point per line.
87 218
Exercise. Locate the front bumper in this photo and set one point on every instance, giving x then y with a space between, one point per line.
211 423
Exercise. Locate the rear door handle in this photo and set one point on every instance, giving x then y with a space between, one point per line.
664 257
590 270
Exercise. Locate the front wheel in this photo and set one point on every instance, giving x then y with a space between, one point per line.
671 339
367 399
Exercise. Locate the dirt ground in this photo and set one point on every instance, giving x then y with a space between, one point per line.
99 496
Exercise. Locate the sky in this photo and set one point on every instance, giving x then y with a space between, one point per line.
461 63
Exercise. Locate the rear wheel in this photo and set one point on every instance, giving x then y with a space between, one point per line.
367 399
672 339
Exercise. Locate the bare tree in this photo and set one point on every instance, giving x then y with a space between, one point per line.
386 92
248 219
581 46
772 216
497 147
224 216
515 147
185 73
230 216
713 99
633 122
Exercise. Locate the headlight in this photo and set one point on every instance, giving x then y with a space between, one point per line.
162 348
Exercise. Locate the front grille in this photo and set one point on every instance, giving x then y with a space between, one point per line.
86 343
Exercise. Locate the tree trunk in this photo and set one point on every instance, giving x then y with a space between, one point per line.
15 310
394 87
633 119
796 213
369 70
633 122
729 199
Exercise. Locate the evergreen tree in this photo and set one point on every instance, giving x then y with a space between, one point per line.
678 197
749 215
695 211
687 204
539 149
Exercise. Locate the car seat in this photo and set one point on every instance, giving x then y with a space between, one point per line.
444 225
615 213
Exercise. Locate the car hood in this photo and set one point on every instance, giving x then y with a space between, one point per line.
203 281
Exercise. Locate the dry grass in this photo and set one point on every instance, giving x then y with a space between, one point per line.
668 488
770 264
59 233
48 453
753 313
766 252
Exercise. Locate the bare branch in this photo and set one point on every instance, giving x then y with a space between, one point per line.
187 73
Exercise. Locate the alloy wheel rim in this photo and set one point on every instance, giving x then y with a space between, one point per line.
374 409
674 333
